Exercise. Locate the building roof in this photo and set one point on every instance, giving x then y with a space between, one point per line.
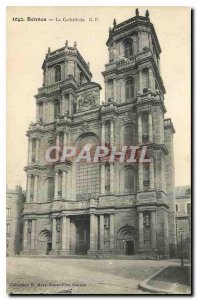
183 191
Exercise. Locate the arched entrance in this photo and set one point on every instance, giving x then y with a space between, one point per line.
45 242
126 240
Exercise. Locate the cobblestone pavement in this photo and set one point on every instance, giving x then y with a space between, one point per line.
78 276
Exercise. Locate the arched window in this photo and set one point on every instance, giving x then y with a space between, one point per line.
128 48
57 73
129 180
130 89
56 109
50 189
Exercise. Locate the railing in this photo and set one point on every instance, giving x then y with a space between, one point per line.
123 61
126 62
56 86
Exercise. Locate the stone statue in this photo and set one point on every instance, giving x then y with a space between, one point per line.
147 14
137 12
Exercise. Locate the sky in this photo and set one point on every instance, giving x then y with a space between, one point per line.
27 44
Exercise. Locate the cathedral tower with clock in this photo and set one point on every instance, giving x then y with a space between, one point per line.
107 208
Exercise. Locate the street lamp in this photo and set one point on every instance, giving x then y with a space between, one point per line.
181 235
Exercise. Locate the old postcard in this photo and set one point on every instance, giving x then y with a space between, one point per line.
98 117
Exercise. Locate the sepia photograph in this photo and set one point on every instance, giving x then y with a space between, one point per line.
98 188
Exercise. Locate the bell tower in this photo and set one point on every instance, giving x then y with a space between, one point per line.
133 85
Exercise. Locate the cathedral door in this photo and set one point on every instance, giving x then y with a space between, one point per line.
129 247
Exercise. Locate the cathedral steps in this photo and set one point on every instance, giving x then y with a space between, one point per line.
96 257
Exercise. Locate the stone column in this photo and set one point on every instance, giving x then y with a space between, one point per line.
140 82
153 230
65 138
93 230
73 237
63 184
28 187
64 232
101 237
140 176
63 104
151 172
70 105
103 178
35 188
166 236
37 112
56 185
25 231
33 234
54 235
57 139
73 179
114 89
141 230
111 178
103 133
68 233
30 152
150 127
111 132
37 151
139 41
51 112
44 111
139 128
163 171
106 92
112 229
68 184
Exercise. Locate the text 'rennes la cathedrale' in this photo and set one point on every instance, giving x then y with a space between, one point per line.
33 19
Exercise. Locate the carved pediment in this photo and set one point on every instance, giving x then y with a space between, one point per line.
88 97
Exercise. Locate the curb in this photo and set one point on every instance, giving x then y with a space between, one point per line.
145 286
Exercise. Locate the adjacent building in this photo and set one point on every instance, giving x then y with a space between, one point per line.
183 218
14 206
105 207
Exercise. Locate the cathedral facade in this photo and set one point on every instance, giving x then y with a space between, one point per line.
105 207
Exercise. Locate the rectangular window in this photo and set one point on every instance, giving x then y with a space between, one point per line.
9 200
8 228
177 208
8 212
88 180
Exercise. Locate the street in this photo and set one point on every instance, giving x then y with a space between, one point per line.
29 275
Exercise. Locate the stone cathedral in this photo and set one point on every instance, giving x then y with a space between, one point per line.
104 208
